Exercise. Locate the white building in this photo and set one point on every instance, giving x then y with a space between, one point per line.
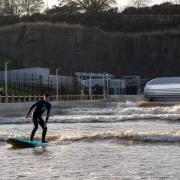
36 75
65 81
113 86
26 75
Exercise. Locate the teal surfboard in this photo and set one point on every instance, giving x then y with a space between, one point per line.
23 143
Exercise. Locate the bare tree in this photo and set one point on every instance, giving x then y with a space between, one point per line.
11 7
20 7
1 8
90 5
139 3
32 6
176 1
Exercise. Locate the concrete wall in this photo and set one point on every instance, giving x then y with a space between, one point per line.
127 97
20 109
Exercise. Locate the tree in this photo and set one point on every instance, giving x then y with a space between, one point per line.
11 7
69 7
90 5
32 6
20 7
177 1
139 3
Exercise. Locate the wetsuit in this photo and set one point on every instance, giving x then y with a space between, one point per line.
40 107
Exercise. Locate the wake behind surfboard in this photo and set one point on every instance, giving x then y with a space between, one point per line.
23 143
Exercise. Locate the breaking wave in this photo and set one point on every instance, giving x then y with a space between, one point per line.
111 136
115 113
152 137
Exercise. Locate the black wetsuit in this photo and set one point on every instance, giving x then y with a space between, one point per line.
40 107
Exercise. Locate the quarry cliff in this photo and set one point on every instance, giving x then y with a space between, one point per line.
74 48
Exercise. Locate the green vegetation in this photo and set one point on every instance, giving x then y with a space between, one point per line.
105 17
4 57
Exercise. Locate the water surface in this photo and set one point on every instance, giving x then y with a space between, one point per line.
115 141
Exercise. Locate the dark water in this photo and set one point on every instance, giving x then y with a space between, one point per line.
119 141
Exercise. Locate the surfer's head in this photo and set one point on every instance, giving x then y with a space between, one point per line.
46 97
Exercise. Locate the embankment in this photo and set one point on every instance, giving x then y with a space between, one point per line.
75 48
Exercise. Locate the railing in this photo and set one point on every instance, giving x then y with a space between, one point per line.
153 17
14 99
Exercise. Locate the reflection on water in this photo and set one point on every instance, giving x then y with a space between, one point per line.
39 151
118 141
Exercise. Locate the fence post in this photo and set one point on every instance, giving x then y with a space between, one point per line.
12 98
29 98
6 99
19 98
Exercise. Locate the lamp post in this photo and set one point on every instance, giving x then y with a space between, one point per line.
47 4
107 84
104 91
57 85
5 76
90 86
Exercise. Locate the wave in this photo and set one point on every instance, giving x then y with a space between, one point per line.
114 136
152 137
127 108
97 118
4 135
115 113
109 136
14 120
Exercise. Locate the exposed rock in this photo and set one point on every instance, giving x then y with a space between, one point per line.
74 48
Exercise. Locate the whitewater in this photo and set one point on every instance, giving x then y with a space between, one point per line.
115 140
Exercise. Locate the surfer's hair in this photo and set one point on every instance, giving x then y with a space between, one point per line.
46 95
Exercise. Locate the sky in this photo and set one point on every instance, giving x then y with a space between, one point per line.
121 3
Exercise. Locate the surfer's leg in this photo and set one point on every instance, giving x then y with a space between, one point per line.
42 124
35 121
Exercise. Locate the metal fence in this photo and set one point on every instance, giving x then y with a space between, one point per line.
153 17
34 87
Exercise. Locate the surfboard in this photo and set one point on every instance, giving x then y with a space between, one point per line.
23 143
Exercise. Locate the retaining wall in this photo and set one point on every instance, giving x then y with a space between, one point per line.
20 109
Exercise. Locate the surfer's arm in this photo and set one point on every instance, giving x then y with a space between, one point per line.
48 112
30 109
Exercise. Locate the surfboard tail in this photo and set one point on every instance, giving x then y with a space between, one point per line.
23 143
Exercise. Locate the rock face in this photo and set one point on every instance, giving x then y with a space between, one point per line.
75 49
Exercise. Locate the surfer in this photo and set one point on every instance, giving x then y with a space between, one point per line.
40 107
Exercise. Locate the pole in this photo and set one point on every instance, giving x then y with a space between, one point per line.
104 93
6 90
107 84
90 85
57 85
47 4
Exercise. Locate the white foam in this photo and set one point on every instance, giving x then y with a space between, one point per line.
152 136
121 112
